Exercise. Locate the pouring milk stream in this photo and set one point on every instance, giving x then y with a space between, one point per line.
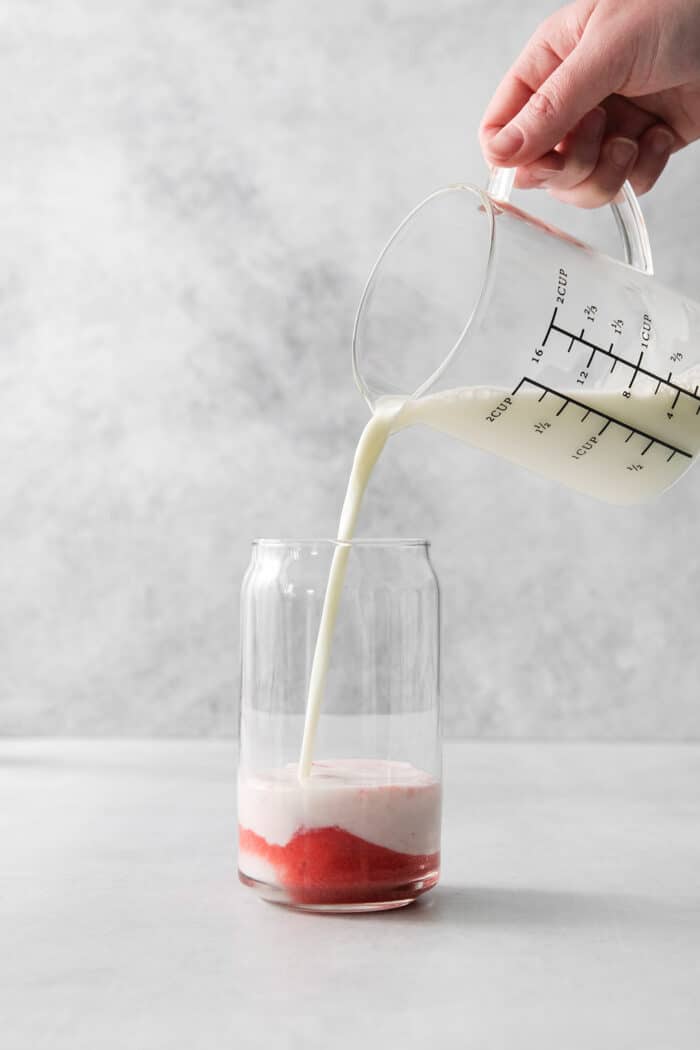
558 358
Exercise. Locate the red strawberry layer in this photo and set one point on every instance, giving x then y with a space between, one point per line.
331 866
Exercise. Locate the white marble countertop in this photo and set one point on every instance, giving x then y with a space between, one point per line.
568 915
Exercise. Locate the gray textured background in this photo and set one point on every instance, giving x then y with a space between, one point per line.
191 196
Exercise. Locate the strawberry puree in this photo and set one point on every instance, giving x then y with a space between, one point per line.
356 831
329 865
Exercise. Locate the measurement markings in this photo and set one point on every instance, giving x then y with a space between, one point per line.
605 427
593 353
575 339
553 327
604 415
636 370
675 400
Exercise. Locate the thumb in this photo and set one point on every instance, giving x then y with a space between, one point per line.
577 85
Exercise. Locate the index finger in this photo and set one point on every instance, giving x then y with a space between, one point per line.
536 63
546 49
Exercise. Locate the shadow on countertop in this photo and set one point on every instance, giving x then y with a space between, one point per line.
538 907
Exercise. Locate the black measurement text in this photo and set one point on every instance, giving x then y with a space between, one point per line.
499 410
585 448
562 282
645 333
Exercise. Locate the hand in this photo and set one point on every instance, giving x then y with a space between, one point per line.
604 91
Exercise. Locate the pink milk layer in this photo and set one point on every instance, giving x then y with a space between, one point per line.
355 831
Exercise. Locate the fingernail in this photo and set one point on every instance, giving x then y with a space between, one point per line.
622 152
660 141
507 142
593 123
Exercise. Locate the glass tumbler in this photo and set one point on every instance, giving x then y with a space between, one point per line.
362 831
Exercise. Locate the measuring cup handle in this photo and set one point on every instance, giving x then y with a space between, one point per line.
628 218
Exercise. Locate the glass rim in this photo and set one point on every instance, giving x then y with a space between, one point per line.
388 542
488 204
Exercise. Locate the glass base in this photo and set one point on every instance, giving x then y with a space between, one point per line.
387 898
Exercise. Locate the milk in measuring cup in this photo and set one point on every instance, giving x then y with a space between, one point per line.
581 441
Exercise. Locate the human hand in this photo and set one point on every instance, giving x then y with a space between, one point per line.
604 91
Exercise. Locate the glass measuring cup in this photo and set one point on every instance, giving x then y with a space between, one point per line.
506 333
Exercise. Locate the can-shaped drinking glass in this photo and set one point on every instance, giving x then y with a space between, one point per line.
361 832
